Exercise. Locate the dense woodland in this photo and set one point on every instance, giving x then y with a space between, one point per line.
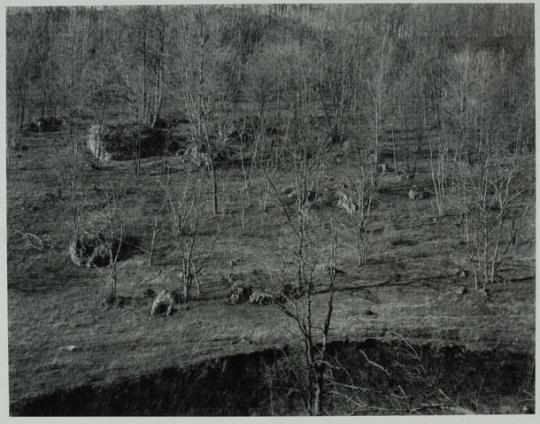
363 69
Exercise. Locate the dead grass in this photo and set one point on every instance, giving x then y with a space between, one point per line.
407 281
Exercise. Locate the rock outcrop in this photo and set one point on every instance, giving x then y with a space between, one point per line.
88 250
261 298
416 193
163 303
346 203
240 292
94 142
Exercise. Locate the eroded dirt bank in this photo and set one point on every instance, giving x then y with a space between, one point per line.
410 379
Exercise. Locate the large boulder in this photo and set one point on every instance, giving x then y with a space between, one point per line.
288 192
240 292
416 193
346 202
88 250
119 141
261 298
95 144
163 303
383 168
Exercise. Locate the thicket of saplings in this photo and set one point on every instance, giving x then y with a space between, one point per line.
272 89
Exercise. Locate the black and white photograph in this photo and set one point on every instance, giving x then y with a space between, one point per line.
268 209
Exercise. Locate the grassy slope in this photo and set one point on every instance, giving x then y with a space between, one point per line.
407 283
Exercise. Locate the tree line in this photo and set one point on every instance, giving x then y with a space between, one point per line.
370 66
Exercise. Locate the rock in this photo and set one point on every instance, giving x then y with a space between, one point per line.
69 348
234 299
288 191
240 293
261 298
383 168
346 203
164 302
460 291
88 250
311 195
462 273
370 313
506 409
416 193
94 141
116 141
483 291
459 410
527 410
325 268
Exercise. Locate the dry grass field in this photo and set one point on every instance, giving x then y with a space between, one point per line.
411 287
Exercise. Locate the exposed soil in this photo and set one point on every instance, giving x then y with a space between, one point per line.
417 380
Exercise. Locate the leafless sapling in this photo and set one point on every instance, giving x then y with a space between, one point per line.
184 212
494 189
108 227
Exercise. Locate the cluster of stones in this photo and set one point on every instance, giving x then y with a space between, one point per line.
416 193
88 250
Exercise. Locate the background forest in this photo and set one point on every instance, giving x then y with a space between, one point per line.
364 69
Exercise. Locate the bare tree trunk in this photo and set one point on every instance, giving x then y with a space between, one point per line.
214 188
158 96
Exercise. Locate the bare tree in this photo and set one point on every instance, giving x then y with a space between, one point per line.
310 368
363 191
108 227
204 95
468 102
67 165
440 162
157 227
339 59
308 168
148 26
184 211
19 62
378 83
492 212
